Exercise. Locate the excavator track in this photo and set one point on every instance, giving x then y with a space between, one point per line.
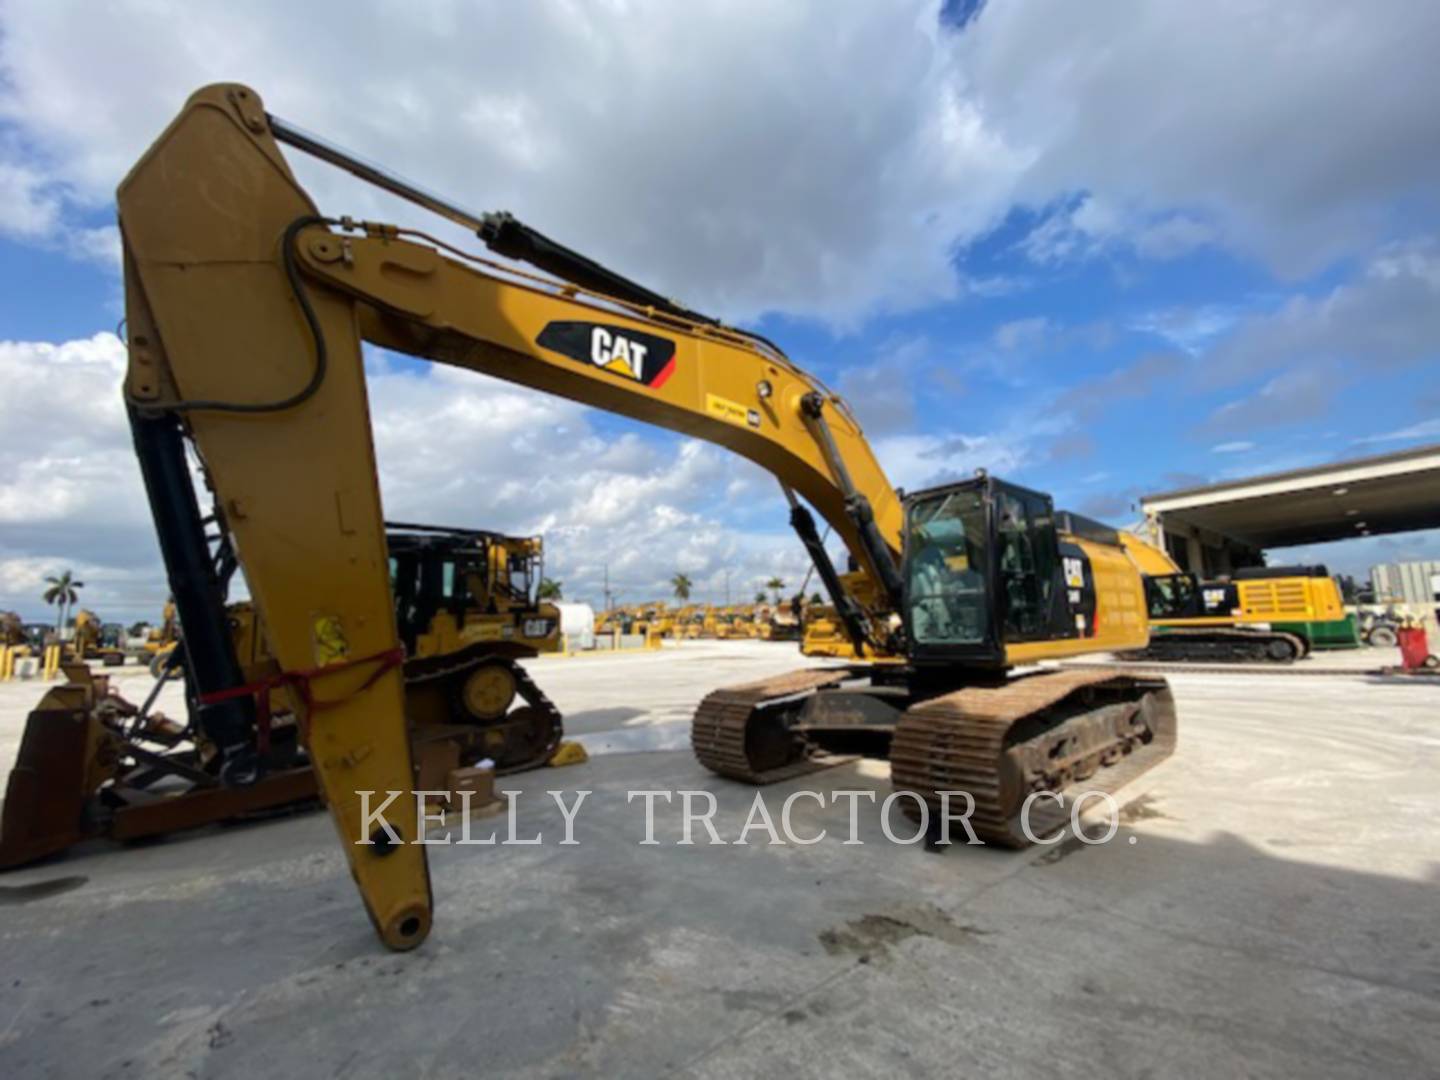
1091 730
1222 645
739 731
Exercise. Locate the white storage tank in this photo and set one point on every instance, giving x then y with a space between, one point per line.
577 625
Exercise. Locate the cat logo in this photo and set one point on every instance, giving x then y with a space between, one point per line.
630 354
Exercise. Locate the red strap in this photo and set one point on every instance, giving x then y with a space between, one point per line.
300 681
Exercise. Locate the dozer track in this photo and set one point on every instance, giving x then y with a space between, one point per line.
532 732
1094 730
740 732
1223 645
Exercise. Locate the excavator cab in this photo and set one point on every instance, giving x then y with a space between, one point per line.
1184 596
982 568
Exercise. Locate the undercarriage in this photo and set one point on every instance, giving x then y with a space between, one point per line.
1055 731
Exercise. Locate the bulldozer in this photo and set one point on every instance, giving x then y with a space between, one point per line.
246 307
467 613
96 640
1260 614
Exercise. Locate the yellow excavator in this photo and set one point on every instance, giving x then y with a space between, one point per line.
1264 614
246 307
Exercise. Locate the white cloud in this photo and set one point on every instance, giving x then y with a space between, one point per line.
1094 226
34 209
454 448
1290 398
882 392
917 461
813 158
1021 333
1188 328
1238 447
1292 131
743 157
1388 316
26 208
1426 429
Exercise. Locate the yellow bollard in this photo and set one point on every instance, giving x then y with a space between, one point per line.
7 662
52 661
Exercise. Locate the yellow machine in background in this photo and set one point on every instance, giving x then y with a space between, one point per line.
690 621
16 643
781 622
657 620
1264 614
467 613
94 640
161 641
227 260
12 631
467 610
609 621
736 622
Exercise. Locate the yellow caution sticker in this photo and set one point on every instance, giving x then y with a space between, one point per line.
731 412
330 644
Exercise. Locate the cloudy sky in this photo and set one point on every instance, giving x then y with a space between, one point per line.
1101 249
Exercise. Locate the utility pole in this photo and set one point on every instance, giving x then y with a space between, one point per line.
607 587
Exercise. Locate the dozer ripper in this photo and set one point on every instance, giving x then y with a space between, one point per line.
246 307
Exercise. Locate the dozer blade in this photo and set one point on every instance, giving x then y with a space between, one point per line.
78 776
54 774
1062 732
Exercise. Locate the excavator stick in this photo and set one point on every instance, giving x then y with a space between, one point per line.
267 379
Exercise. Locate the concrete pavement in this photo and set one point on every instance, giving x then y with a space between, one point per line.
1275 915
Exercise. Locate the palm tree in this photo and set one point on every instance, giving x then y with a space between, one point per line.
760 597
62 594
681 584
550 589
775 585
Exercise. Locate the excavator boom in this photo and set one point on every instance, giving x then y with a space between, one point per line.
246 309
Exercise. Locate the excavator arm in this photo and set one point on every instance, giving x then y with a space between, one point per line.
246 309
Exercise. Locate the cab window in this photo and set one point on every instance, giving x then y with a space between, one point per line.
1028 554
945 570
